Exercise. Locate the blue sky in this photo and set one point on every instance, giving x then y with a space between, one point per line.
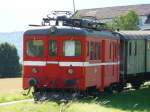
15 15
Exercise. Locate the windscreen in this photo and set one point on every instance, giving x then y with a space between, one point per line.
35 48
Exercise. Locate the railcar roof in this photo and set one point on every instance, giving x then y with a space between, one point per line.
70 31
132 35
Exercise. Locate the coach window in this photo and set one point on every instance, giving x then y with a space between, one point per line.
135 48
92 51
72 48
52 49
130 48
148 45
35 48
110 48
95 51
116 50
88 49
99 51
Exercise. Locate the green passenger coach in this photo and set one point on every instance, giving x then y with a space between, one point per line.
135 57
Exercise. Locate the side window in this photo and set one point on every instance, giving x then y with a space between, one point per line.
88 49
135 48
52 48
95 51
130 48
148 45
92 51
116 49
99 51
110 50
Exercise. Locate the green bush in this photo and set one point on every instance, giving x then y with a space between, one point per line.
9 61
128 21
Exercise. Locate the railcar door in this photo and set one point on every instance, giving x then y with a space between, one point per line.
52 62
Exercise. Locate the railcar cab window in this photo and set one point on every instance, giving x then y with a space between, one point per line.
52 49
35 48
71 48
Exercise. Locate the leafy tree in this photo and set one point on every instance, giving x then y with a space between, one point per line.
128 21
76 15
9 61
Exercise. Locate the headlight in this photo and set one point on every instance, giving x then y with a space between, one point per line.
70 71
53 29
34 70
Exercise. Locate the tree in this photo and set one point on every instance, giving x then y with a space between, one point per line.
128 21
9 61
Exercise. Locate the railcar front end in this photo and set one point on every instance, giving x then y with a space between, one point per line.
53 61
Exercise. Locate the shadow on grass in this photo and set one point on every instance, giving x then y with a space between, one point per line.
132 100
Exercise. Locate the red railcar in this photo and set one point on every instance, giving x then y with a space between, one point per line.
64 57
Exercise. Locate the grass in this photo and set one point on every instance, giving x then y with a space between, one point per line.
129 101
13 96
31 107
90 107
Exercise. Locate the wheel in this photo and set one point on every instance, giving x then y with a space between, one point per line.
119 87
110 89
136 85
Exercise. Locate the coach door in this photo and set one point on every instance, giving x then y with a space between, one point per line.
52 58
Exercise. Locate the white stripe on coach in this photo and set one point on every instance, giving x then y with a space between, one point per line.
52 62
34 63
87 64
81 64
71 63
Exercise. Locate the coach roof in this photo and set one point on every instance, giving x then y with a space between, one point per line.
131 35
69 31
